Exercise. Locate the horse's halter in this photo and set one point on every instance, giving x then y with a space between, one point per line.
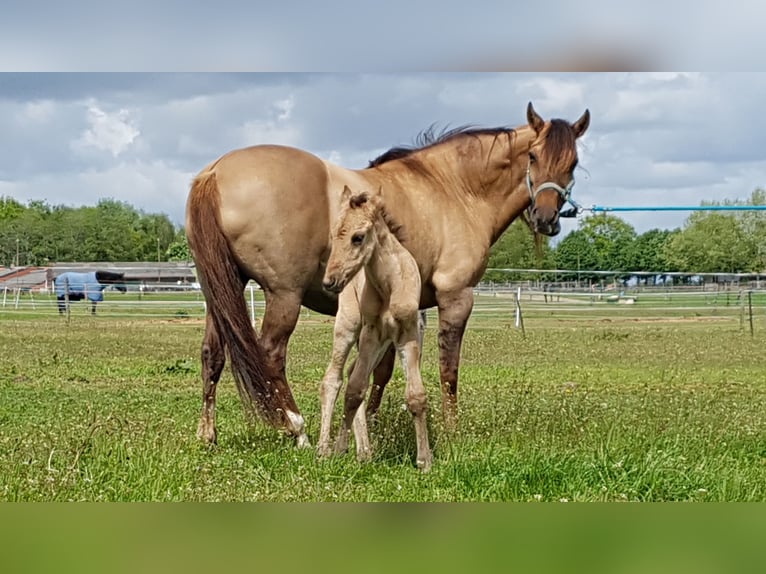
564 192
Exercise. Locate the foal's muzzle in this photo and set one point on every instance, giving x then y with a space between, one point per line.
332 285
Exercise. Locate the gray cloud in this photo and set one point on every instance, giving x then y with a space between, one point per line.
655 139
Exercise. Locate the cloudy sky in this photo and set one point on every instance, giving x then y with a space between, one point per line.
655 138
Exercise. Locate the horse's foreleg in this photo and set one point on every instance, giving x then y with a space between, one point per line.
345 333
279 319
454 309
415 393
213 361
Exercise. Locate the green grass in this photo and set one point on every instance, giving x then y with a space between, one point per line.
106 408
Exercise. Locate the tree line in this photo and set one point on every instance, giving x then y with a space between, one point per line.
708 242
39 234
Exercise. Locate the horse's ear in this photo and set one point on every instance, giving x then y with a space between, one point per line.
534 120
346 194
581 125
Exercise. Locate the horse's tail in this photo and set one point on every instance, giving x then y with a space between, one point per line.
263 391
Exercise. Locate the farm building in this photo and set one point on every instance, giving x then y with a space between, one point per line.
138 275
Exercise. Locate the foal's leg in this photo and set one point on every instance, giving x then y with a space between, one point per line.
454 309
370 349
345 333
279 320
213 360
415 393
381 376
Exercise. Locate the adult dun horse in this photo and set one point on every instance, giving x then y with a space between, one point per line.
78 286
366 242
265 213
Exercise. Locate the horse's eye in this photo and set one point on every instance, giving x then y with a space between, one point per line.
357 239
532 157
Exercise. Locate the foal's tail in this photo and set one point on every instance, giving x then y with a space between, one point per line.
262 390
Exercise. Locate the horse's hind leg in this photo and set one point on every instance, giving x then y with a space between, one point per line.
213 360
279 319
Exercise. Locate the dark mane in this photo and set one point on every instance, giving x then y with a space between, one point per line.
429 138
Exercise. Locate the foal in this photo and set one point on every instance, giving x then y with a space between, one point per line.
365 237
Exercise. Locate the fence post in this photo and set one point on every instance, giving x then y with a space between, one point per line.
18 296
750 310
66 298
519 318
252 304
5 294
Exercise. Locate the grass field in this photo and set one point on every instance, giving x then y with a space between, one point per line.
620 405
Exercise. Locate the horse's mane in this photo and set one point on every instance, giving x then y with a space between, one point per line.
429 137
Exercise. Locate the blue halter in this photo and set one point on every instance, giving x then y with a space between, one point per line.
564 192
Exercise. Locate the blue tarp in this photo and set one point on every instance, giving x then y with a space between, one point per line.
80 283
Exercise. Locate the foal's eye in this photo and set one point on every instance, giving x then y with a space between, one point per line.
357 239
532 157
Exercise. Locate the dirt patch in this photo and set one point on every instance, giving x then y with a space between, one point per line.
664 319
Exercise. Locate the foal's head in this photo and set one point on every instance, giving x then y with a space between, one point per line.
353 239
550 169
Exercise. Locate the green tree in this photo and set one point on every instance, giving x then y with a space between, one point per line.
179 249
712 242
648 251
576 251
516 249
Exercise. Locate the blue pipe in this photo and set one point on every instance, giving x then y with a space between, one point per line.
599 208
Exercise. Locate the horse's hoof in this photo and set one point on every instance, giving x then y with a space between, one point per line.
364 455
424 465
302 441
207 434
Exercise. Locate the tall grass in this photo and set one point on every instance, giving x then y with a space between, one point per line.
106 409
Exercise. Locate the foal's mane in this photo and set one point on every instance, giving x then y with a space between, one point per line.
396 228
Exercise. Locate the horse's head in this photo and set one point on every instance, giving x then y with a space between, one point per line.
352 239
116 280
550 171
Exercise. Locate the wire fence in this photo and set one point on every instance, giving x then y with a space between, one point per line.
493 308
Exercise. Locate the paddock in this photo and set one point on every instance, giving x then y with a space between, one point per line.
659 400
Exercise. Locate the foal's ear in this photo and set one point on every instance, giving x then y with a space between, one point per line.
582 124
346 194
534 120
